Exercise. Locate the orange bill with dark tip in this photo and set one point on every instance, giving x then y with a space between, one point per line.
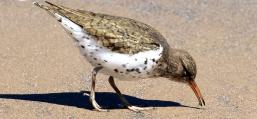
197 92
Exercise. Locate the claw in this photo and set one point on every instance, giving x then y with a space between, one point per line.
98 108
138 109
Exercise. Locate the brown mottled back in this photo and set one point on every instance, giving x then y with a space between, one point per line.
118 34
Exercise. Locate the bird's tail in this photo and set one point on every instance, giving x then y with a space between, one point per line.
49 9
61 10
52 8
76 16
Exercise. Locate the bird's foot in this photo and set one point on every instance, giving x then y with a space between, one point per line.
138 109
98 108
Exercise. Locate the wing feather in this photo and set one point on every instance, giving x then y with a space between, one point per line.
118 34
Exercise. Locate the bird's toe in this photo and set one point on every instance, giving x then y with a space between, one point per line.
138 109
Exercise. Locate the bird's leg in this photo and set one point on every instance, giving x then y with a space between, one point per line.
123 100
92 93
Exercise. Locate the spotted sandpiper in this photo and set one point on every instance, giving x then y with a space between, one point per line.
125 49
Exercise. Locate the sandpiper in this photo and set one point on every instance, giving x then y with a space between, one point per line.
125 49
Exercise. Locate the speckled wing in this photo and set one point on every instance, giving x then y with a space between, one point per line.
119 34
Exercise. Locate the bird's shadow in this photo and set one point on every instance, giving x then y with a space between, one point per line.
81 100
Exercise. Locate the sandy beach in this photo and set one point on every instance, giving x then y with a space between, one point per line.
43 75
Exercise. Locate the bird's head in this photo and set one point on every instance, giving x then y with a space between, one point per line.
182 68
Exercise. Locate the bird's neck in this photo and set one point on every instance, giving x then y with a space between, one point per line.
169 64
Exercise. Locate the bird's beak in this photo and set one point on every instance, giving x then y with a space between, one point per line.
197 92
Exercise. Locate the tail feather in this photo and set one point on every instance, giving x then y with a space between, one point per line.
56 7
51 4
52 8
77 16
41 6
49 9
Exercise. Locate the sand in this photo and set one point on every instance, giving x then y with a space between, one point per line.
44 76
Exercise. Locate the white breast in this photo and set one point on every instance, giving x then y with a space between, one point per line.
122 66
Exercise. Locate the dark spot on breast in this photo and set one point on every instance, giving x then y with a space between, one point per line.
105 61
116 70
145 61
60 20
99 64
145 67
85 37
95 58
130 70
124 65
137 70
153 60
135 59
121 72
96 49
91 53
71 28
148 73
82 46
88 45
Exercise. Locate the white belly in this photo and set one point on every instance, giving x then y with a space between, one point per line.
122 66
